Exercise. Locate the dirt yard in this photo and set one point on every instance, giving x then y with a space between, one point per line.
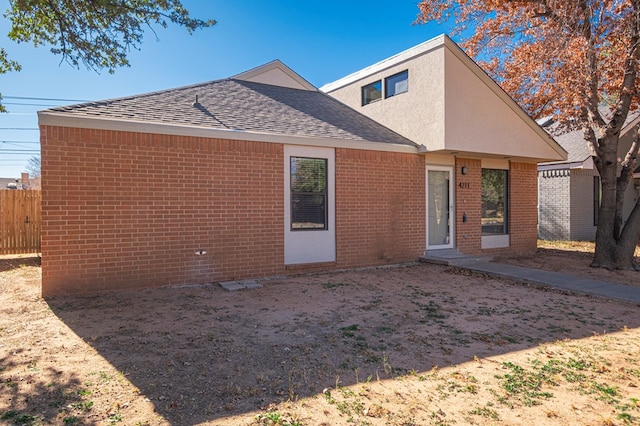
412 345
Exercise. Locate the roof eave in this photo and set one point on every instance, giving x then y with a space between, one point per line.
50 118
391 61
584 164
445 41
630 126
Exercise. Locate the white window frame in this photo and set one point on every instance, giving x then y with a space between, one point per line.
310 245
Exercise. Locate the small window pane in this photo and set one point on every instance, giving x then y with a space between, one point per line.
372 92
396 84
308 193
494 202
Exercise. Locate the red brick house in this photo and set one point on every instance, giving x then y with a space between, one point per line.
263 174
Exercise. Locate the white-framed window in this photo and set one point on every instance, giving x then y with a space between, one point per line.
308 193
372 92
396 84
310 204
495 202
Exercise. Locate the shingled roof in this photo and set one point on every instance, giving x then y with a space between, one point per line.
234 104
573 140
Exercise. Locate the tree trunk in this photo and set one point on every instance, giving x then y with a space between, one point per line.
629 239
615 245
606 240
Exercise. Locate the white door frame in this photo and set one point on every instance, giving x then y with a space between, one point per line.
452 215
310 246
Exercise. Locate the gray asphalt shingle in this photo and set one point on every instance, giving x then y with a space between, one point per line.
246 106
573 141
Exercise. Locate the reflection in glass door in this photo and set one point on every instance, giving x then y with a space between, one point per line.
439 191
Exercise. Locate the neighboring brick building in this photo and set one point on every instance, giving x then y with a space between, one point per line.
263 174
569 190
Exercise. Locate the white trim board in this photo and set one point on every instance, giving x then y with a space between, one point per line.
46 118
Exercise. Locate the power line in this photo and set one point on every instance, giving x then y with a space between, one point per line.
12 142
4 145
19 128
25 104
26 98
19 151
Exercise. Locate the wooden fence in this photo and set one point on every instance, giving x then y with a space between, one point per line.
20 221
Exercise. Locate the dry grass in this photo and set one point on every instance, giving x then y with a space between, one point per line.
415 345
574 246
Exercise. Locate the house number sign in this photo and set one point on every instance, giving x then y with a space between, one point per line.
464 185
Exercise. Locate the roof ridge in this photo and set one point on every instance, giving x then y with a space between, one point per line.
136 96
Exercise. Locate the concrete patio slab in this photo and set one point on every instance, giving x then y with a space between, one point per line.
240 285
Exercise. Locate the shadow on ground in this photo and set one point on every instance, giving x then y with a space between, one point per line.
10 262
54 389
202 353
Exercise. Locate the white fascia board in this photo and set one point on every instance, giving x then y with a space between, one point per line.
587 165
630 126
47 118
420 49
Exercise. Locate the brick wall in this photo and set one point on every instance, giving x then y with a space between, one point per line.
581 213
380 207
554 204
469 202
128 210
523 200
522 208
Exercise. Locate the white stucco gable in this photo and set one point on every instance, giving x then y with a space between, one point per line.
480 117
275 73
451 106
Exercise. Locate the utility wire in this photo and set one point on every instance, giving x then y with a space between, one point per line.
19 128
25 104
19 151
12 142
26 98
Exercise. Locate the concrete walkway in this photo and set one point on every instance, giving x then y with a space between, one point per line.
549 279
559 281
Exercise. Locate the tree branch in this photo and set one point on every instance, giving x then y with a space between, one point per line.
628 88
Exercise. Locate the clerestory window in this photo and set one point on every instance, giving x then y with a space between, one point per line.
396 84
372 92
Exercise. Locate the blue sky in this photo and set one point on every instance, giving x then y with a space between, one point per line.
322 41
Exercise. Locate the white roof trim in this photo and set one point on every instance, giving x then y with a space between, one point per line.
48 118
444 41
403 56
586 165
630 126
